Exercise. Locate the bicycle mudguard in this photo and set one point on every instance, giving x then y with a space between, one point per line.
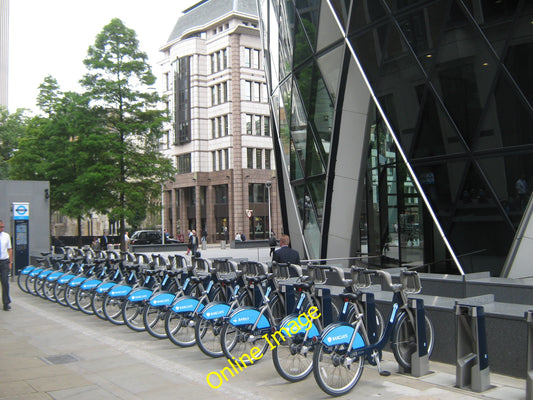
186 304
163 299
105 287
248 316
65 278
215 310
119 291
27 269
91 284
140 295
46 273
292 326
53 276
77 281
341 333
35 272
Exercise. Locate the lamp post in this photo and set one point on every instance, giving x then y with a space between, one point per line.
268 186
162 214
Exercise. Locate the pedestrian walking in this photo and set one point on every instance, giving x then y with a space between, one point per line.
6 265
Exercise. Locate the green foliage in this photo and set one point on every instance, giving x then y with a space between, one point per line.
12 128
99 149
117 84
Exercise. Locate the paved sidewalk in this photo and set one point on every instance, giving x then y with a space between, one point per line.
52 352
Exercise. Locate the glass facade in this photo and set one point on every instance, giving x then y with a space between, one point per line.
448 131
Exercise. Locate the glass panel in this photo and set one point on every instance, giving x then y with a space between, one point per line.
299 128
321 113
284 115
317 188
495 18
479 232
518 61
304 78
314 164
511 177
365 12
465 73
328 30
341 7
286 38
436 135
441 184
330 69
309 11
295 166
507 121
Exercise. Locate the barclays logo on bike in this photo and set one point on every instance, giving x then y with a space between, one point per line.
215 313
335 338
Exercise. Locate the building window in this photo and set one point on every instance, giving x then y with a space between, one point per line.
259 158
247 91
213 128
220 160
256 91
249 124
226 125
184 164
214 156
250 158
257 193
266 125
267 159
226 157
257 124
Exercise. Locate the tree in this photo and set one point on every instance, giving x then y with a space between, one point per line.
117 83
12 129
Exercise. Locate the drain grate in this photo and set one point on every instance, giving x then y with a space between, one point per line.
60 359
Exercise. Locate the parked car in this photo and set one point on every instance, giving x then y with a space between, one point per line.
148 237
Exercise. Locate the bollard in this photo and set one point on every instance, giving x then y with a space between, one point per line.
324 296
529 375
472 359
222 244
419 358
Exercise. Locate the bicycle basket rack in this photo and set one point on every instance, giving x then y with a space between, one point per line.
410 281
252 268
360 279
284 271
317 273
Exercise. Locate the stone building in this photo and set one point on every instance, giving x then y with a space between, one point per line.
220 135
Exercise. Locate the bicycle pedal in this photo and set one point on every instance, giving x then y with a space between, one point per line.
384 373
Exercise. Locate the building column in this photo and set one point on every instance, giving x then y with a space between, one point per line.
210 220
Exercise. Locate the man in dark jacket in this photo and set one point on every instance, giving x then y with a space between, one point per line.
285 254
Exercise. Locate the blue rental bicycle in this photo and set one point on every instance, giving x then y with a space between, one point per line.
339 359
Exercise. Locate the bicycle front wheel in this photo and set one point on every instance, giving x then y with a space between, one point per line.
70 297
237 342
207 333
59 293
21 282
132 313
154 321
97 304
404 340
83 301
112 308
335 372
293 360
179 328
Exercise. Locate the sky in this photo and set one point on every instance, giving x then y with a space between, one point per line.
51 37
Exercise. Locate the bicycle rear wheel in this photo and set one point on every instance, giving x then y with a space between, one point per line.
293 360
334 371
404 340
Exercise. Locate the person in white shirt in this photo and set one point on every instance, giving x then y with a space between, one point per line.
6 264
